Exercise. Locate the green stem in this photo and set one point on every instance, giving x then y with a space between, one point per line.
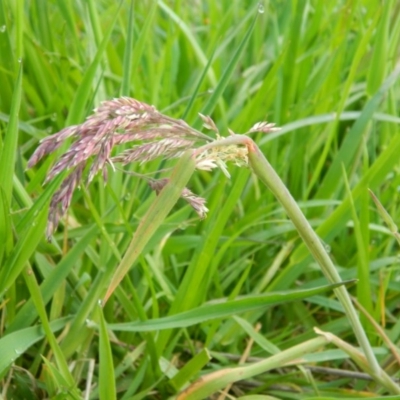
265 172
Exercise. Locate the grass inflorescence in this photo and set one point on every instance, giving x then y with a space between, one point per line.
167 268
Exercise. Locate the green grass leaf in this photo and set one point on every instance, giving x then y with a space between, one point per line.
353 139
14 345
107 388
79 104
220 309
8 153
154 217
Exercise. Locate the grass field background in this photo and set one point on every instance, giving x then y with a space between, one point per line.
238 289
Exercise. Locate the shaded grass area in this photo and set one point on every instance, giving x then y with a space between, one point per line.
197 301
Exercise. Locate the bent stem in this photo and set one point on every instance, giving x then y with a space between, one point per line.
266 173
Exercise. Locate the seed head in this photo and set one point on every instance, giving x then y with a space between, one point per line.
150 133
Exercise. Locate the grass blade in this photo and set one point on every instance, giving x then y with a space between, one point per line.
9 151
128 54
27 314
352 141
78 107
143 38
13 346
225 78
364 284
154 217
35 294
6 236
23 250
220 309
106 377
191 369
215 381
377 70
195 45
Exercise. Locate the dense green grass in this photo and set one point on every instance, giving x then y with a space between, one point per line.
239 287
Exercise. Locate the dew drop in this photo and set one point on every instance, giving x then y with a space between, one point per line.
17 352
100 302
53 117
19 60
3 28
49 130
260 8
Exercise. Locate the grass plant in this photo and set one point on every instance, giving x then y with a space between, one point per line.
129 294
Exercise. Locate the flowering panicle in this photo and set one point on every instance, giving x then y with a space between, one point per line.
150 133
208 123
264 126
196 202
116 122
217 157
